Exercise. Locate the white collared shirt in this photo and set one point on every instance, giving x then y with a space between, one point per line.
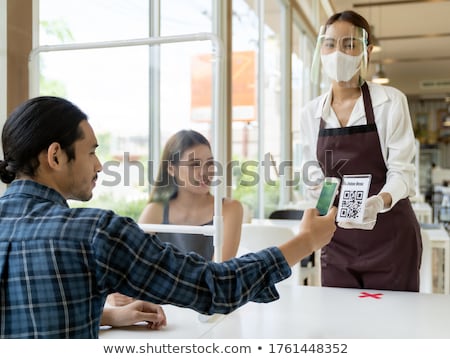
394 127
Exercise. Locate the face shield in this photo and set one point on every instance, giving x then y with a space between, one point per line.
342 56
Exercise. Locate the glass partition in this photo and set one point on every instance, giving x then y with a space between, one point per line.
256 102
112 86
116 88
302 92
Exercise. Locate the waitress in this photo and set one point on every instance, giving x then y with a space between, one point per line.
361 128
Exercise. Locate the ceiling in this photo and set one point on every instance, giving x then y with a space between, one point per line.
415 39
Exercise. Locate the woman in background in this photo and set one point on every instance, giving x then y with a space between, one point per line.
181 196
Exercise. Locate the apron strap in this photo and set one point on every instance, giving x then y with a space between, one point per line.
367 103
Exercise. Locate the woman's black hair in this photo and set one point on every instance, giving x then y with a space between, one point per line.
353 18
32 127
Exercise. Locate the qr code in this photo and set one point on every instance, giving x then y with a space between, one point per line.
351 203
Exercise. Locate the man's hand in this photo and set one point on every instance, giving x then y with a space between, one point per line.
315 232
132 313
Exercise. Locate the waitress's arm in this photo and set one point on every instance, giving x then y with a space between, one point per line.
311 174
399 149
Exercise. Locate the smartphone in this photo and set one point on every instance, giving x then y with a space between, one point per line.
327 194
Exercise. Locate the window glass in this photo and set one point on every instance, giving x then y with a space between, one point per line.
244 102
109 85
302 92
185 17
247 177
272 105
186 69
92 20
112 85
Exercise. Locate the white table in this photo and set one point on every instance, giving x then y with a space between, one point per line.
314 313
182 323
436 234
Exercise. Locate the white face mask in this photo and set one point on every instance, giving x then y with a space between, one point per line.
339 66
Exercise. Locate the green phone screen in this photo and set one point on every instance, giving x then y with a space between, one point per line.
326 197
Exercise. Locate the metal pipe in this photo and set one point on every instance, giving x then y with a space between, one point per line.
207 230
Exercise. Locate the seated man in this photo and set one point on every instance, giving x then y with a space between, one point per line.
58 264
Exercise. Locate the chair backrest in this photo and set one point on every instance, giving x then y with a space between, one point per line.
426 272
293 214
255 236
286 214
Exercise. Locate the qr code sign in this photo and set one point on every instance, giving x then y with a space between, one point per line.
352 198
351 203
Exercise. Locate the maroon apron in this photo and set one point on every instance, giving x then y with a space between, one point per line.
389 256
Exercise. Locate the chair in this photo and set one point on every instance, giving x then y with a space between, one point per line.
256 236
308 269
292 214
286 214
435 237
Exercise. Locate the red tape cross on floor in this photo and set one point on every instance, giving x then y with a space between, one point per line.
370 295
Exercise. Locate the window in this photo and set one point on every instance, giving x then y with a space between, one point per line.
247 87
112 84
302 89
125 89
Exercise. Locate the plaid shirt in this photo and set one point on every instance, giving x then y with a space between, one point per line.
58 264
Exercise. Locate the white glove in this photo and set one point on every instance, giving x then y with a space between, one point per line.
374 205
